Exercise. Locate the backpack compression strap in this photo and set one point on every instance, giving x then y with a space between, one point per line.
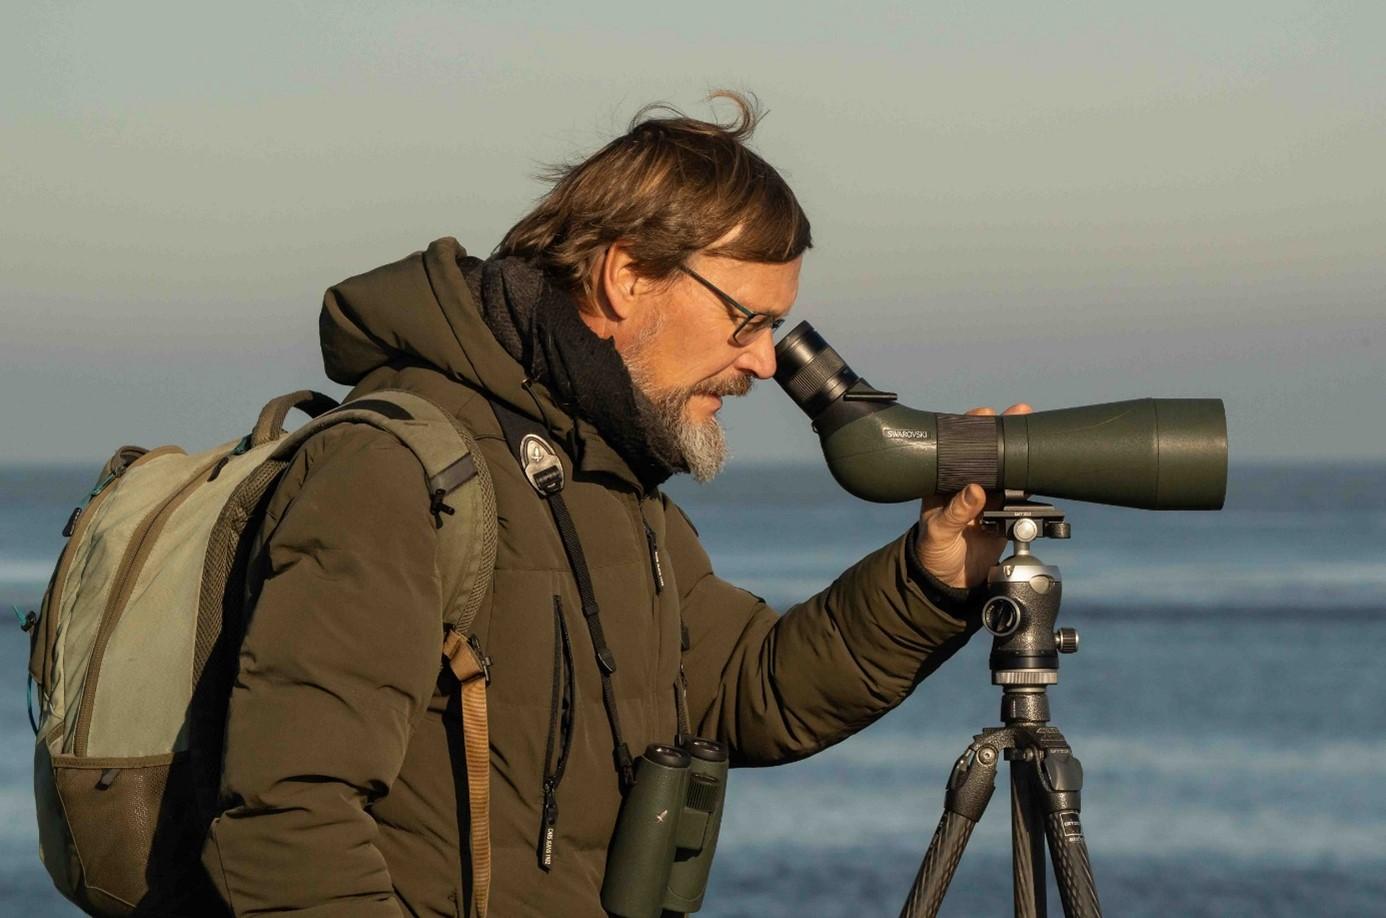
473 671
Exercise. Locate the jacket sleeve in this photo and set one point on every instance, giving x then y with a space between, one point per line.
340 657
778 688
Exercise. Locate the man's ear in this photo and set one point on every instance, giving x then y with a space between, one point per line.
619 286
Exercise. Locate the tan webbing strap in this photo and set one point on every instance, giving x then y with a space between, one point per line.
471 667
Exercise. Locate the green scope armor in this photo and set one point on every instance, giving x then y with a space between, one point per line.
666 833
1151 453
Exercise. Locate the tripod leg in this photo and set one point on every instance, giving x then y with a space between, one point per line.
1062 778
1072 869
936 871
1027 843
969 789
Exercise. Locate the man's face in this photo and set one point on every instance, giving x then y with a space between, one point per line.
682 356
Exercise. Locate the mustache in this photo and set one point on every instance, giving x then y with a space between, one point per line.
739 384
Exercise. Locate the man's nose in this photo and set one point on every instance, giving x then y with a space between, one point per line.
758 357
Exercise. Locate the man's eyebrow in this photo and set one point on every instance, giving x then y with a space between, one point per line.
764 312
770 312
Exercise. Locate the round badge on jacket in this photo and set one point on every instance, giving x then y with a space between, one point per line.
541 463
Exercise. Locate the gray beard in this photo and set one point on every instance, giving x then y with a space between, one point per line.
696 447
700 448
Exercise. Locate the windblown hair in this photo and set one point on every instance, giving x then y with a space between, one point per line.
670 186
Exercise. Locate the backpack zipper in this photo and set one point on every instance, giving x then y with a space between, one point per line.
560 735
131 565
74 531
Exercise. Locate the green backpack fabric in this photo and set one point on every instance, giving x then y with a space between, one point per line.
137 641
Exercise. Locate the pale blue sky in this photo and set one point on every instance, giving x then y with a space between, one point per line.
1065 203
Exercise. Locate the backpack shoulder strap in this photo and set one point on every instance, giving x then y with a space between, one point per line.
463 502
458 482
460 487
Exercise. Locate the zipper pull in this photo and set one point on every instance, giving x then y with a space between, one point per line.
656 569
77 511
550 820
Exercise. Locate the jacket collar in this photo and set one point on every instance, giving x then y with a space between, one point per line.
502 376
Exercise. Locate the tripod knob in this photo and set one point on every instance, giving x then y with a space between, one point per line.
1001 615
1066 640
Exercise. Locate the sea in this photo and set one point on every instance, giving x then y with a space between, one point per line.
1228 703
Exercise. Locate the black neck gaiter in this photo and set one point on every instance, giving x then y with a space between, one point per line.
537 322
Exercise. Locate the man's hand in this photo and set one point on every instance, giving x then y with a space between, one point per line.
952 546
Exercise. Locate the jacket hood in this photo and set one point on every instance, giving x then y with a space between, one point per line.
424 309
419 309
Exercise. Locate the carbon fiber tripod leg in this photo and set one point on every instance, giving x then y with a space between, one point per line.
936 871
970 787
1072 869
1060 780
1027 844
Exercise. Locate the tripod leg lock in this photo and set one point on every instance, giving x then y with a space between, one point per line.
1061 776
972 782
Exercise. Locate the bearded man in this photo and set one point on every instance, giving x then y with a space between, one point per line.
641 291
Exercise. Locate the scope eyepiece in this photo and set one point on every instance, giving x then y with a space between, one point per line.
810 371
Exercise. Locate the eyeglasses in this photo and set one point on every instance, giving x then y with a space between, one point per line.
753 323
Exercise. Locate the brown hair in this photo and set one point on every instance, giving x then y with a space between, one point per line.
670 186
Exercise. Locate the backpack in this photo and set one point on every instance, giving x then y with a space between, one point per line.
137 642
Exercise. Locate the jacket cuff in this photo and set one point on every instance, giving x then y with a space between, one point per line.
958 602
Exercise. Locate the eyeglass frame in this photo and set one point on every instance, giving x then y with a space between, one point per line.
750 314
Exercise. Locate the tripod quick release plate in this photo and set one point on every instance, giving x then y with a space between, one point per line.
1026 520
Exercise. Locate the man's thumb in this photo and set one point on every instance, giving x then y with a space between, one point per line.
961 510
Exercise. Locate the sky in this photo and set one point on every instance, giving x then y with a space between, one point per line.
1057 203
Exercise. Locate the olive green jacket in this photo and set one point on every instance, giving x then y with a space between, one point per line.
343 785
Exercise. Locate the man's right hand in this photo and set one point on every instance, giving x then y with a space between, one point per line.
953 547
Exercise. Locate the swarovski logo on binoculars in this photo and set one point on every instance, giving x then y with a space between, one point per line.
891 433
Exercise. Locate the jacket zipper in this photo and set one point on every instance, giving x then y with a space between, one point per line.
560 734
656 568
681 684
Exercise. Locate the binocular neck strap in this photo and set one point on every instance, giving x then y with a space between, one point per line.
520 433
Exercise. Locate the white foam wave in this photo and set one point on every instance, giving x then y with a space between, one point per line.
26 571
1143 797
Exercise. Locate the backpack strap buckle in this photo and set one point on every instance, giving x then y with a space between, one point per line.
465 657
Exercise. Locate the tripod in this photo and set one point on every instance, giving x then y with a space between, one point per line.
1046 778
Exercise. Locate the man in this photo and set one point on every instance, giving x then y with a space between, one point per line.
617 315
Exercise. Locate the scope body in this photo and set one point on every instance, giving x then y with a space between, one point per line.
1154 454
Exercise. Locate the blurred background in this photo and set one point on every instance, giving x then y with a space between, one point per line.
1066 204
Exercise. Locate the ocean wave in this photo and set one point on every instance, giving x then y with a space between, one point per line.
26 572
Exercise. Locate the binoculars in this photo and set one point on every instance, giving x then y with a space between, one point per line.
1150 453
666 832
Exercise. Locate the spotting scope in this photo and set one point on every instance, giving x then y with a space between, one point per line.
1150 453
